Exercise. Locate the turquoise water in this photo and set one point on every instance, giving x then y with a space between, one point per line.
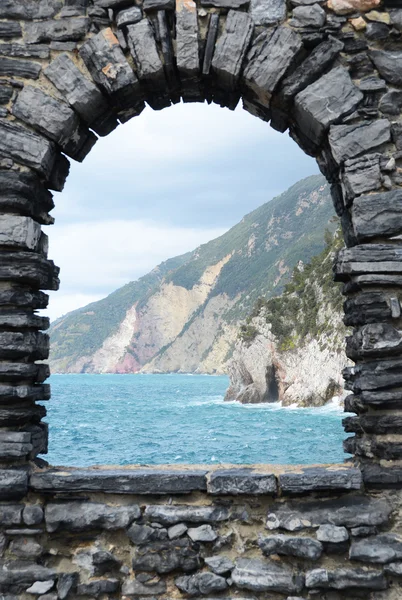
159 419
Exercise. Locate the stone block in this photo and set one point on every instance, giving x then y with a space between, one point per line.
25 50
203 533
24 193
241 481
332 534
325 101
11 514
98 587
84 516
374 340
301 547
21 415
6 92
170 515
9 30
27 147
167 556
187 50
128 16
345 7
29 9
320 478
221 565
381 549
19 574
231 48
81 93
14 372
14 67
29 345
212 35
363 175
143 534
201 583
268 12
388 64
144 51
121 481
134 587
348 141
13 483
226 3
268 61
59 30
29 268
19 232
321 57
25 547
346 579
368 258
377 215
110 70
66 583
32 514
268 576
312 16
349 511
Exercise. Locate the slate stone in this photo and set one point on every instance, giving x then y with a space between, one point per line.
203 533
374 340
40 587
221 565
81 93
10 514
56 30
32 513
30 345
344 579
301 547
324 102
66 582
241 481
394 569
268 12
391 103
231 48
376 215
213 28
320 478
321 57
143 534
368 258
14 67
226 3
25 50
128 16
9 30
381 549
98 587
6 91
123 481
308 16
13 483
84 516
134 587
389 65
201 583
167 556
363 176
19 232
382 424
110 70
349 511
21 415
372 84
266 576
187 49
347 141
268 60
27 147
332 534
363 531
150 5
377 31
367 307
170 515
24 193
29 9
176 531
144 51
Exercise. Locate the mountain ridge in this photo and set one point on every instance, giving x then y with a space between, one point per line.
184 314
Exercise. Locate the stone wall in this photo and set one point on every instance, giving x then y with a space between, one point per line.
330 73
245 533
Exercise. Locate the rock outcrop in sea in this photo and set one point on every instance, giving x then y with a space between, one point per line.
291 349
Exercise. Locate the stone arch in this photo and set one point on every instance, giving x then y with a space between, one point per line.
73 70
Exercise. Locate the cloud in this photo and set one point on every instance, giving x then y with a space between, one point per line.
98 257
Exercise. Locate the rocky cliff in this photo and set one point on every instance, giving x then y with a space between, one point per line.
291 348
184 315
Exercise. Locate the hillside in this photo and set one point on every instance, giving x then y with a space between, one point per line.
184 315
291 347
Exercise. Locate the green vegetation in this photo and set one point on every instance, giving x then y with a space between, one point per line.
260 251
311 296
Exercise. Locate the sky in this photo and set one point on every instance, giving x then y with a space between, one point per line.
158 186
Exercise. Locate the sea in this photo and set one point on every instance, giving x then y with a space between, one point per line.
174 419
